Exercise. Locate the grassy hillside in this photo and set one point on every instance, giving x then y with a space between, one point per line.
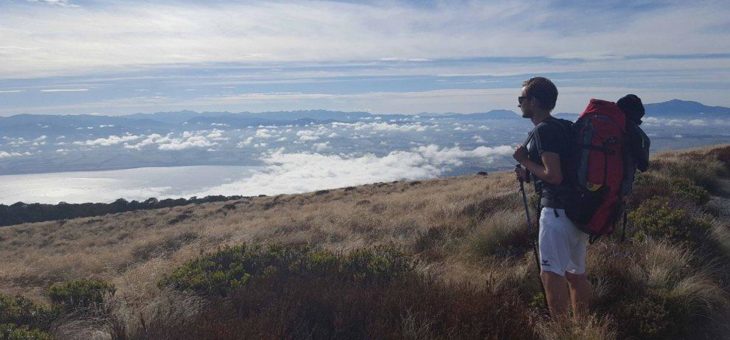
423 259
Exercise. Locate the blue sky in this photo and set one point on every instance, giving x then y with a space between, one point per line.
120 57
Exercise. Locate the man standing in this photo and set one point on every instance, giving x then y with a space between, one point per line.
562 245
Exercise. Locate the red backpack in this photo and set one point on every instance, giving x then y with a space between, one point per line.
596 168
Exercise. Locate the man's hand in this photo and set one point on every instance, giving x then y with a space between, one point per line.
520 154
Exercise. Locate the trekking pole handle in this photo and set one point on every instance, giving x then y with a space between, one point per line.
524 200
527 174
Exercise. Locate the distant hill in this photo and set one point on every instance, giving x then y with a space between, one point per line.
676 107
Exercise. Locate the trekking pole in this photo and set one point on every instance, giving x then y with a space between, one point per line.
529 230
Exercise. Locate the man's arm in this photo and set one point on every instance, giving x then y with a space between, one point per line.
550 173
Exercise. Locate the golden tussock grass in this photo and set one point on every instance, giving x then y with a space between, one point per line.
465 230
133 250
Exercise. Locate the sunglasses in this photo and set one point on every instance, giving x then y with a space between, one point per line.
521 99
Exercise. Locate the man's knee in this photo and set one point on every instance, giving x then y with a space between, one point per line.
576 279
551 277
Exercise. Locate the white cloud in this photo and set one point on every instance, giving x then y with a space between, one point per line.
151 139
683 122
392 127
453 156
111 140
697 122
245 142
319 147
304 172
15 142
216 135
186 143
40 141
311 135
5 154
186 140
264 133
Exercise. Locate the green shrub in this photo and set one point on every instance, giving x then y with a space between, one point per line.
9 331
649 185
21 311
658 219
328 307
699 169
233 267
379 264
646 316
80 295
684 189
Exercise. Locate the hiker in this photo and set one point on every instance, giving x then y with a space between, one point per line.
562 246
636 155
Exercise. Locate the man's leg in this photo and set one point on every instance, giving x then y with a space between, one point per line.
580 293
556 292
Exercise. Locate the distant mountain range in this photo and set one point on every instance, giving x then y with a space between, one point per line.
676 107
16 125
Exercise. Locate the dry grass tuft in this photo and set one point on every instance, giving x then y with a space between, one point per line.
588 328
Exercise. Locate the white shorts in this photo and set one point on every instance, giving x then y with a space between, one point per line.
562 244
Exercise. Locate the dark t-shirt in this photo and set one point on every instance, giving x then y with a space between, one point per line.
636 155
551 135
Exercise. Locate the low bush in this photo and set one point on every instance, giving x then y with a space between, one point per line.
80 295
233 267
700 169
684 189
22 311
406 305
649 185
658 218
10 331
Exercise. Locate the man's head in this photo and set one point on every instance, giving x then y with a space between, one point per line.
538 96
631 105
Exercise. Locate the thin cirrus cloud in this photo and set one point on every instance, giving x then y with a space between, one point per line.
254 54
184 32
64 90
